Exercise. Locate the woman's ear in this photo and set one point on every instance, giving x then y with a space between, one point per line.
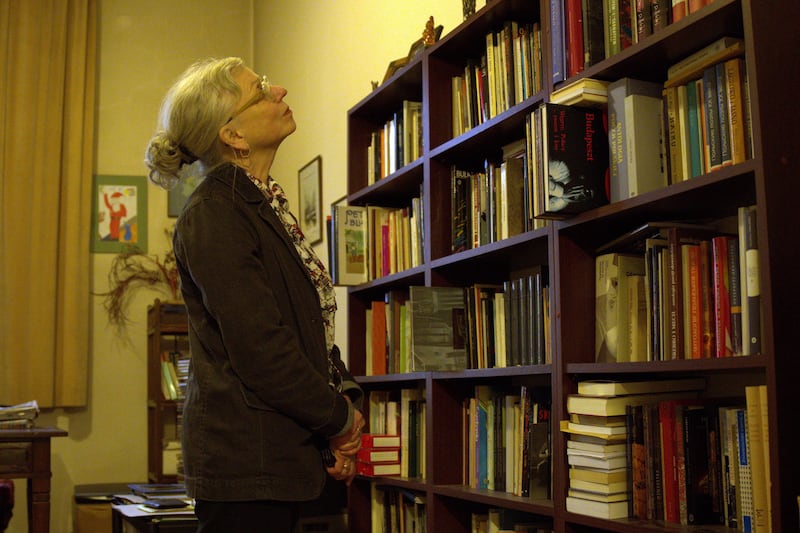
231 137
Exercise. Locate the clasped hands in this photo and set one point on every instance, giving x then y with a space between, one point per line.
345 448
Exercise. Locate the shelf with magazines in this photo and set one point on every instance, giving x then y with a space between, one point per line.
167 368
701 229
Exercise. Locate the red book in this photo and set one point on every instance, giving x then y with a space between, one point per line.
379 455
678 10
722 305
671 457
694 305
371 470
374 440
574 19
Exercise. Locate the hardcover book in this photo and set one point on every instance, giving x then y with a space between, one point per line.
575 156
437 328
350 226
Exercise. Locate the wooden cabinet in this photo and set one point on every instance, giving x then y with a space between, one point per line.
167 335
768 180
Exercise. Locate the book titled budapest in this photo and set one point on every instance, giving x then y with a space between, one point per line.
576 159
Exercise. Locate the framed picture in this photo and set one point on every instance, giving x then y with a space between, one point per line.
310 190
189 179
119 213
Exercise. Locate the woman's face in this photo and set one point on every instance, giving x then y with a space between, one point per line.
261 115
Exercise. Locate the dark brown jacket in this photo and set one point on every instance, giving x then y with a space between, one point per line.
258 405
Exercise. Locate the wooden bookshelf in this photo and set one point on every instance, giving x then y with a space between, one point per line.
167 331
767 180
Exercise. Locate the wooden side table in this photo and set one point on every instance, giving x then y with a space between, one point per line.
25 453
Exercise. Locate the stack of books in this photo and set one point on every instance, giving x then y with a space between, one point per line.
21 415
379 455
601 447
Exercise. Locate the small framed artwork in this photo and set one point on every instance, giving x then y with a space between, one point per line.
119 213
310 190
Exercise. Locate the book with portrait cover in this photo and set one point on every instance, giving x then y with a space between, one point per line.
575 155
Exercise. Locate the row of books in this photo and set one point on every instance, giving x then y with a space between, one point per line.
495 520
396 510
397 422
397 143
492 204
455 328
369 242
507 441
587 31
679 291
508 71
174 373
657 451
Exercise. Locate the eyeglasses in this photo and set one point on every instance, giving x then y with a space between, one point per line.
264 92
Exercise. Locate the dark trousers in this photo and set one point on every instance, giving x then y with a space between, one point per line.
265 516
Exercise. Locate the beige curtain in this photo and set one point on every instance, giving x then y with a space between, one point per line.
47 107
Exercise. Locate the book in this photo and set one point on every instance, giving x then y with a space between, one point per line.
752 288
643 147
575 155
587 92
722 306
693 65
559 41
672 126
745 493
615 405
694 128
759 458
643 19
662 11
379 469
375 440
618 91
603 388
598 476
734 89
598 496
22 411
593 32
573 26
613 273
609 511
437 328
722 115
379 455
679 9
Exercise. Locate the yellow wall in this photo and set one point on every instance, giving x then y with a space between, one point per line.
325 52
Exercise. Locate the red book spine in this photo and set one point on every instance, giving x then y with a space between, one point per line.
373 440
722 305
574 18
669 467
695 310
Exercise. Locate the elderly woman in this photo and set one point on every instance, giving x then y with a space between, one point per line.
269 404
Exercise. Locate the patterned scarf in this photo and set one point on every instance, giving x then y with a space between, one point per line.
319 275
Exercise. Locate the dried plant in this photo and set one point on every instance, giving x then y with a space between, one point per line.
132 269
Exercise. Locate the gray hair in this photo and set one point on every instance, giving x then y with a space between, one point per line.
193 111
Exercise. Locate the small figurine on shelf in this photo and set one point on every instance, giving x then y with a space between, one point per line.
469 8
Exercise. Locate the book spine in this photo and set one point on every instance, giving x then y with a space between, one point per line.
695 140
676 330
735 296
722 308
673 135
753 288
574 29
678 10
644 19
745 472
736 122
722 114
758 466
669 460
612 28
661 10
712 118
593 32
626 13
707 299
558 41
